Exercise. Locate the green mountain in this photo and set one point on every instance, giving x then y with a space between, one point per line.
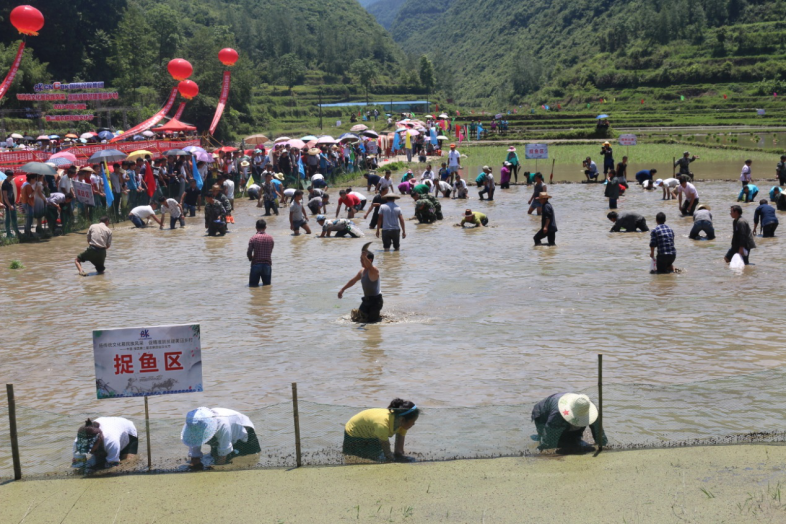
385 11
572 51
128 43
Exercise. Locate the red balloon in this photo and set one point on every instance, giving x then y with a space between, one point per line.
27 20
227 56
179 69
188 88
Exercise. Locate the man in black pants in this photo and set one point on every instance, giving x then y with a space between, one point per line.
662 237
742 238
630 222
548 224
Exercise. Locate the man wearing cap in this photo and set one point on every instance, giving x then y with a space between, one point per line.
741 239
228 433
427 208
340 226
667 186
99 239
691 196
561 419
630 222
548 223
454 159
769 219
702 221
684 164
780 171
215 214
590 170
476 218
390 218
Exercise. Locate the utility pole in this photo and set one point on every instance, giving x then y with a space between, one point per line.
320 108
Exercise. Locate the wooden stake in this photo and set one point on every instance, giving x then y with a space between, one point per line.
673 166
600 402
12 427
147 436
297 423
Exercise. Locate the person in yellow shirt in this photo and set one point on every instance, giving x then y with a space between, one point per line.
477 218
367 434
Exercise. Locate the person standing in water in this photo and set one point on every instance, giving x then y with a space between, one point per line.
741 239
548 223
99 239
372 291
367 434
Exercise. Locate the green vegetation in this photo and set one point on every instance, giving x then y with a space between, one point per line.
16 264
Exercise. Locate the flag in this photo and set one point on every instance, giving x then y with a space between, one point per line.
437 107
250 182
775 95
682 97
408 141
195 172
480 130
642 101
457 113
150 180
433 136
301 170
459 134
110 197
396 142
724 97
588 105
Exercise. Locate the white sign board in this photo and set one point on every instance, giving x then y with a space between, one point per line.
760 112
627 140
136 362
536 151
338 123
83 192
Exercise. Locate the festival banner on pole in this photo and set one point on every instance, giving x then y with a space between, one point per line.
222 101
179 112
9 78
150 122
83 192
67 118
155 360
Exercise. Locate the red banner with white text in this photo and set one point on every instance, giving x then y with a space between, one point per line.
150 122
222 101
9 78
179 112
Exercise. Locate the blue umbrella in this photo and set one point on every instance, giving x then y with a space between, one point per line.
309 138
107 155
601 116
61 162
106 135
54 137
349 136
138 138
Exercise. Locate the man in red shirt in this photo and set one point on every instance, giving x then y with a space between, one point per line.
260 251
351 201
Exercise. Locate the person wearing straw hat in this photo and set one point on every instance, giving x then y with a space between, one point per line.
608 157
548 223
561 419
110 440
367 434
228 433
475 218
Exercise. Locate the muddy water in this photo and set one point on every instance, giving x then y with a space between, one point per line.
478 317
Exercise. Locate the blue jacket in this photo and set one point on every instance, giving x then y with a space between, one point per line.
767 214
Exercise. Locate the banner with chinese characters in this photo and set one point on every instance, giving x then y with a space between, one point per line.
143 361
67 118
536 151
83 192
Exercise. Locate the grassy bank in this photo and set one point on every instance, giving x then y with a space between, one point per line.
737 484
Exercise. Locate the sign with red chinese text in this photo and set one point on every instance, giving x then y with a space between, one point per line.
536 151
67 118
83 192
67 107
143 361
627 140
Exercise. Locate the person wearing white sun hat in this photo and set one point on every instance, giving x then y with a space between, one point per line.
561 420
227 432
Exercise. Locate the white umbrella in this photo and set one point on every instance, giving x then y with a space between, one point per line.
359 127
148 134
281 139
17 136
443 115
327 139
442 137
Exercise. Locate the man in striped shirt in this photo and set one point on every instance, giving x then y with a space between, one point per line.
260 254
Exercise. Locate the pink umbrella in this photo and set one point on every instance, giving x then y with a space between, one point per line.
311 143
412 132
204 156
64 154
296 143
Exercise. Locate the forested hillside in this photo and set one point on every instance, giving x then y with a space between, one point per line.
503 51
127 44
385 11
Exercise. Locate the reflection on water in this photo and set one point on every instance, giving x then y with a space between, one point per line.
480 317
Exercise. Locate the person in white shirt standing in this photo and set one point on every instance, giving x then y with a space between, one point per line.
229 190
454 160
229 434
175 210
745 176
691 196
